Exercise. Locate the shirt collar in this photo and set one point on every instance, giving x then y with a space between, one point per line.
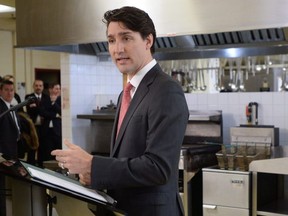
135 81
7 104
38 96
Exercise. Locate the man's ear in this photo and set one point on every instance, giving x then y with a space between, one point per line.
149 41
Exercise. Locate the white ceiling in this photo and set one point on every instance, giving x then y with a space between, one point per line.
7 20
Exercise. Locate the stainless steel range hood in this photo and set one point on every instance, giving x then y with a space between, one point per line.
270 41
226 45
186 29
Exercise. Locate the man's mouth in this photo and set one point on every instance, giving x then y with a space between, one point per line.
122 60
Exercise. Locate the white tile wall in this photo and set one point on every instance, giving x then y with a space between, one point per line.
93 83
273 109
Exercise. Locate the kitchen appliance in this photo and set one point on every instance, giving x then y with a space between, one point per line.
227 188
226 193
203 138
180 77
252 113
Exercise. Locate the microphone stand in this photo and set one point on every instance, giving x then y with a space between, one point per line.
18 106
5 112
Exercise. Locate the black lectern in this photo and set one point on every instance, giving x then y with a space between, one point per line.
29 184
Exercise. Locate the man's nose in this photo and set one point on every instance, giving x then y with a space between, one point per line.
119 47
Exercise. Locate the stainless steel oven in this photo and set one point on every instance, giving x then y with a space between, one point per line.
203 138
226 192
227 188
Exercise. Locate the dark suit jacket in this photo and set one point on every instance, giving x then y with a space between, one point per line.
8 133
49 112
33 112
142 171
17 98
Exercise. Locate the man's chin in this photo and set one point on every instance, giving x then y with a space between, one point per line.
123 69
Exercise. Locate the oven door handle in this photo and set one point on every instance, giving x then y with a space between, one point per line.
209 206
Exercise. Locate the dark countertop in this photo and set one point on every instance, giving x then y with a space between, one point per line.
97 116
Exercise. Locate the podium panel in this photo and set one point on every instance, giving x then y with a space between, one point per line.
29 190
31 200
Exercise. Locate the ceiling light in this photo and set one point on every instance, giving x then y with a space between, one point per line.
5 9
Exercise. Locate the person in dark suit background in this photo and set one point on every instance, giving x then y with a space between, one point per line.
16 100
22 148
142 170
56 121
9 133
52 125
9 123
35 111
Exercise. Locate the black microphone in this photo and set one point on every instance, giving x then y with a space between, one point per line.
29 100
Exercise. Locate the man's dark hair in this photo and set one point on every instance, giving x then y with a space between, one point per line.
5 82
51 85
134 19
36 80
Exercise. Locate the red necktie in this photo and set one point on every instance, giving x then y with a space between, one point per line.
126 98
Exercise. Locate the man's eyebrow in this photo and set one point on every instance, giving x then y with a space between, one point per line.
120 33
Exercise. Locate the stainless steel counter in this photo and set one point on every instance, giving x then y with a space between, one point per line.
101 129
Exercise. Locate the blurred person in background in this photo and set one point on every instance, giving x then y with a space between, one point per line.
27 137
16 99
35 111
52 125
9 123
9 133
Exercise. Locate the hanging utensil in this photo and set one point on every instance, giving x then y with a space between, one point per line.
205 66
253 65
222 87
189 80
241 81
234 86
217 73
267 64
283 78
286 84
217 79
203 86
223 63
230 61
238 67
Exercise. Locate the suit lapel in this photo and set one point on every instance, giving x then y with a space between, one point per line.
114 130
141 92
4 108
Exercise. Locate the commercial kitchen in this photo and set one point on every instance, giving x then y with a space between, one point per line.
231 58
